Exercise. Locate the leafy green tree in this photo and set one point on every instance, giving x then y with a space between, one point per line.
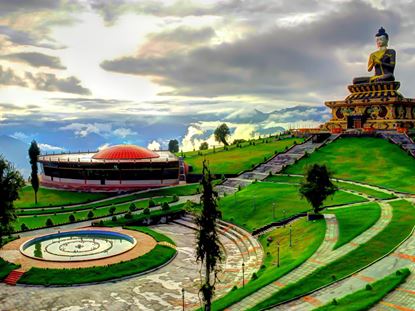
132 207
11 181
49 222
151 203
165 206
317 186
221 133
71 218
146 211
112 210
208 251
90 215
204 146
174 146
23 227
34 153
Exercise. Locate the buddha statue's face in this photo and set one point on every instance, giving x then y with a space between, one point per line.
381 41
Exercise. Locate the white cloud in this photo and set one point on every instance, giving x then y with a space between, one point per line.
154 145
123 132
50 148
104 146
20 136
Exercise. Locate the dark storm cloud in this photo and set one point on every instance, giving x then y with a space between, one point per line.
8 77
36 59
51 83
283 61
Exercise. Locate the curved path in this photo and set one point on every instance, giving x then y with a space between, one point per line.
159 290
321 257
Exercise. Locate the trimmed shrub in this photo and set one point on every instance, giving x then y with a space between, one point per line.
165 206
132 207
151 203
49 222
71 218
146 211
90 214
23 227
112 210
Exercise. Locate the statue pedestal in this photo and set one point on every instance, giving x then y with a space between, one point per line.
372 106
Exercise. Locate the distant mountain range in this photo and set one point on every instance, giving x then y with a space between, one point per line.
16 152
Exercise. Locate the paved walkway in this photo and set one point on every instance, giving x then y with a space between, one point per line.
321 257
402 299
159 290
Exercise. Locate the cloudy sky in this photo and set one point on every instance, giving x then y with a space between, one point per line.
83 74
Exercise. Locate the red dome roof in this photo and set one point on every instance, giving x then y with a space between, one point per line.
124 152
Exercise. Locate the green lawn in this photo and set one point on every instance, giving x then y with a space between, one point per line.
342 185
177 190
236 160
401 225
51 197
159 237
251 208
365 299
355 220
5 268
371 160
306 238
39 221
156 257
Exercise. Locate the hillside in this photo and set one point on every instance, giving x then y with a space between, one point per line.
15 151
372 160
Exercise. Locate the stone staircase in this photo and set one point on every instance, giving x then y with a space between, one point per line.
13 277
402 140
275 165
240 248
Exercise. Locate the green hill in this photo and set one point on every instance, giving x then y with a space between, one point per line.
371 160
237 159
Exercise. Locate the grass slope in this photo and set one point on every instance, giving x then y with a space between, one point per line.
156 257
159 237
365 159
401 225
251 207
306 238
51 197
355 220
39 221
236 160
342 185
364 299
5 268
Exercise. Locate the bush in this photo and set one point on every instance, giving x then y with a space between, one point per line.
165 206
23 227
334 302
254 276
112 210
128 215
114 218
90 214
151 203
146 211
71 218
49 222
132 207
204 146
368 287
175 198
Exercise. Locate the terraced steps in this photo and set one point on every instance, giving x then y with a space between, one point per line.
13 277
240 248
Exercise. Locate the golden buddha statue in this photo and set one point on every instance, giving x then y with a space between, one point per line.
383 60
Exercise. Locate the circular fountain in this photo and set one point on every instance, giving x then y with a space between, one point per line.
78 245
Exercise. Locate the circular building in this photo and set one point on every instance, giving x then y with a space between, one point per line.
118 168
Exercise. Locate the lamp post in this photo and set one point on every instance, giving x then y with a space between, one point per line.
278 254
243 274
273 211
291 244
183 298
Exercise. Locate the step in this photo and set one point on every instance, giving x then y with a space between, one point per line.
13 277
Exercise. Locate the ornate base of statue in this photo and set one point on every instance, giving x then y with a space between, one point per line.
377 106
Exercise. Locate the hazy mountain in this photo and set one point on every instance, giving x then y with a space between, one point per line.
16 151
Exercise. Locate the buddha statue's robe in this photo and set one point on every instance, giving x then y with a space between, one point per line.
384 63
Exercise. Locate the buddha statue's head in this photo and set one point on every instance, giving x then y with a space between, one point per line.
382 38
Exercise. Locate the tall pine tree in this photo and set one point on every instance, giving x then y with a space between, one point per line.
208 251
34 153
